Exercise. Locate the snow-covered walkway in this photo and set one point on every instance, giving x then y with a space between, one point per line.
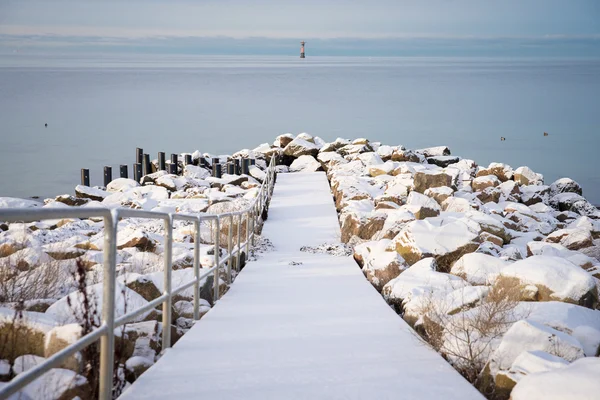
297 325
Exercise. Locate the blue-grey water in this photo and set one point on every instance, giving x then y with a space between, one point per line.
100 108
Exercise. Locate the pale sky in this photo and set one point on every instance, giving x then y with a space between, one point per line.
308 19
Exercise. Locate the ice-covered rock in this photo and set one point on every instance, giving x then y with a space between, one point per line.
576 381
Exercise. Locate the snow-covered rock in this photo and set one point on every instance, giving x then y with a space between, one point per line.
446 239
428 179
503 172
92 193
380 265
572 239
305 163
14 202
121 185
578 381
300 147
485 181
555 278
126 300
565 185
478 268
421 279
525 176
283 140
422 206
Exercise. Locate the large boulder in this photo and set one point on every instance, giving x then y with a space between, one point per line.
434 151
525 336
525 176
478 268
576 381
421 277
555 279
60 337
445 239
485 181
422 206
92 193
23 333
565 185
503 172
572 239
380 262
359 219
428 179
439 194
305 163
300 147
283 140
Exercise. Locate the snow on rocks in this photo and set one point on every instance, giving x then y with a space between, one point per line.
380 262
300 147
305 163
69 309
422 206
578 381
121 185
427 179
525 176
446 239
555 279
502 171
92 193
549 345
478 268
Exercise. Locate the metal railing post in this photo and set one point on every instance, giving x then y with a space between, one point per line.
197 269
229 248
248 234
217 258
166 317
239 244
107 341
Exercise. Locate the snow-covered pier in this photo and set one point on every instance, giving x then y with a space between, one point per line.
302 324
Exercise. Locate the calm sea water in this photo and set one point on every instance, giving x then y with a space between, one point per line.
98 109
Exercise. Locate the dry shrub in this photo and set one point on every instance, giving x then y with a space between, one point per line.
467 339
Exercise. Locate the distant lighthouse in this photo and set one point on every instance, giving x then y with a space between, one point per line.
302 49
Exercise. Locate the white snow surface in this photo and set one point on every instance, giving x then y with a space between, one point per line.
315 330
576 381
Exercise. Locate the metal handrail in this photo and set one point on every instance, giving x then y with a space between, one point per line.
105 332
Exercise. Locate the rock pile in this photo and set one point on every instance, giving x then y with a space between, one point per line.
498 271
41 263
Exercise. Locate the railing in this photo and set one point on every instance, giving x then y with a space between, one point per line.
111 219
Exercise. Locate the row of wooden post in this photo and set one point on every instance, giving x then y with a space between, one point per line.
143 166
